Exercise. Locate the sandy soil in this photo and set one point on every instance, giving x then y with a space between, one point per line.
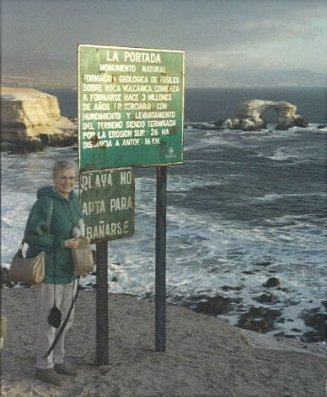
205 357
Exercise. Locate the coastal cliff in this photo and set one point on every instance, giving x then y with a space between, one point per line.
31 119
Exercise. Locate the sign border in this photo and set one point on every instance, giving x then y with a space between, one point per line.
133 190
79 103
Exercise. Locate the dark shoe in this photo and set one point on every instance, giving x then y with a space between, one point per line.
48 375
65 369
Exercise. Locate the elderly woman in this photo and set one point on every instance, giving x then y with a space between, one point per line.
49 228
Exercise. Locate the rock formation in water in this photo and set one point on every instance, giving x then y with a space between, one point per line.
30 120
250 115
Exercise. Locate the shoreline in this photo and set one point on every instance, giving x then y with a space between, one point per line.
204 357
265 315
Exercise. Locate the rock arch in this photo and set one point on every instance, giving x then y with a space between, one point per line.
250 115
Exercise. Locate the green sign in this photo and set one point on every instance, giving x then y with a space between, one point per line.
131 105
108 203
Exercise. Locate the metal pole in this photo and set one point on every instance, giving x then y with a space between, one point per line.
102 327
160 277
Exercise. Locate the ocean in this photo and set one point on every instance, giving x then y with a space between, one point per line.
243 208
212 104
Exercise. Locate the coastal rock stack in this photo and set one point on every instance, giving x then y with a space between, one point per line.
250 115
30 120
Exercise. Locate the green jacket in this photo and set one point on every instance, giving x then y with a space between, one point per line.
49 224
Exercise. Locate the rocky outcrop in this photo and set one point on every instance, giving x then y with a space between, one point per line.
250 115
30 120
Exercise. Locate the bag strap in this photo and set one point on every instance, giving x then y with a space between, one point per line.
63 325
51 212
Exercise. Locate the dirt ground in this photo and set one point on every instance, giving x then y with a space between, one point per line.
205 357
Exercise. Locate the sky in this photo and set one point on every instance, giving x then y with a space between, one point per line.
228 43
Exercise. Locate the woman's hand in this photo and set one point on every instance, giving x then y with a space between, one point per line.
72 243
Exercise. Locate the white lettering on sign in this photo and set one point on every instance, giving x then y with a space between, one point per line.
131 97
169 79
105 97
133 79
135 124
112 88
94 207
144 57
102 125
161 123
120 134
112 56
92 87
137 88
155 115
131 142
109 67
137 106
159 97
99 78
126 178
114 229
89 181
101 106
99 116
153 69
121 203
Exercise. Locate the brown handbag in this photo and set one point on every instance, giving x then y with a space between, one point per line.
83 257
30 270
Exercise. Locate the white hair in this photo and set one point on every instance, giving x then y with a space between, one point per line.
60 165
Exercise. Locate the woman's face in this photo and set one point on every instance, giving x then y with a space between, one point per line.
64 181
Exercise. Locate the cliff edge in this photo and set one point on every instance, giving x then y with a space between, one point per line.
30 120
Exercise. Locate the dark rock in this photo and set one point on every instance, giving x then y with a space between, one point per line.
266 298
300 122
264 264
4 278
311 337
317 320
259 319
228 288
248 272
214 306
272 282
218 123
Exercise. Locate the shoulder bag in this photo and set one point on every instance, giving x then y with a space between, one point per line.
30 270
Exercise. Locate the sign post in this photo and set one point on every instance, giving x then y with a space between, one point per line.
102 320
160 278
108 206
130 114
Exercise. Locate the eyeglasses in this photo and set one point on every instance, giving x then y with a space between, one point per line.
70 179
